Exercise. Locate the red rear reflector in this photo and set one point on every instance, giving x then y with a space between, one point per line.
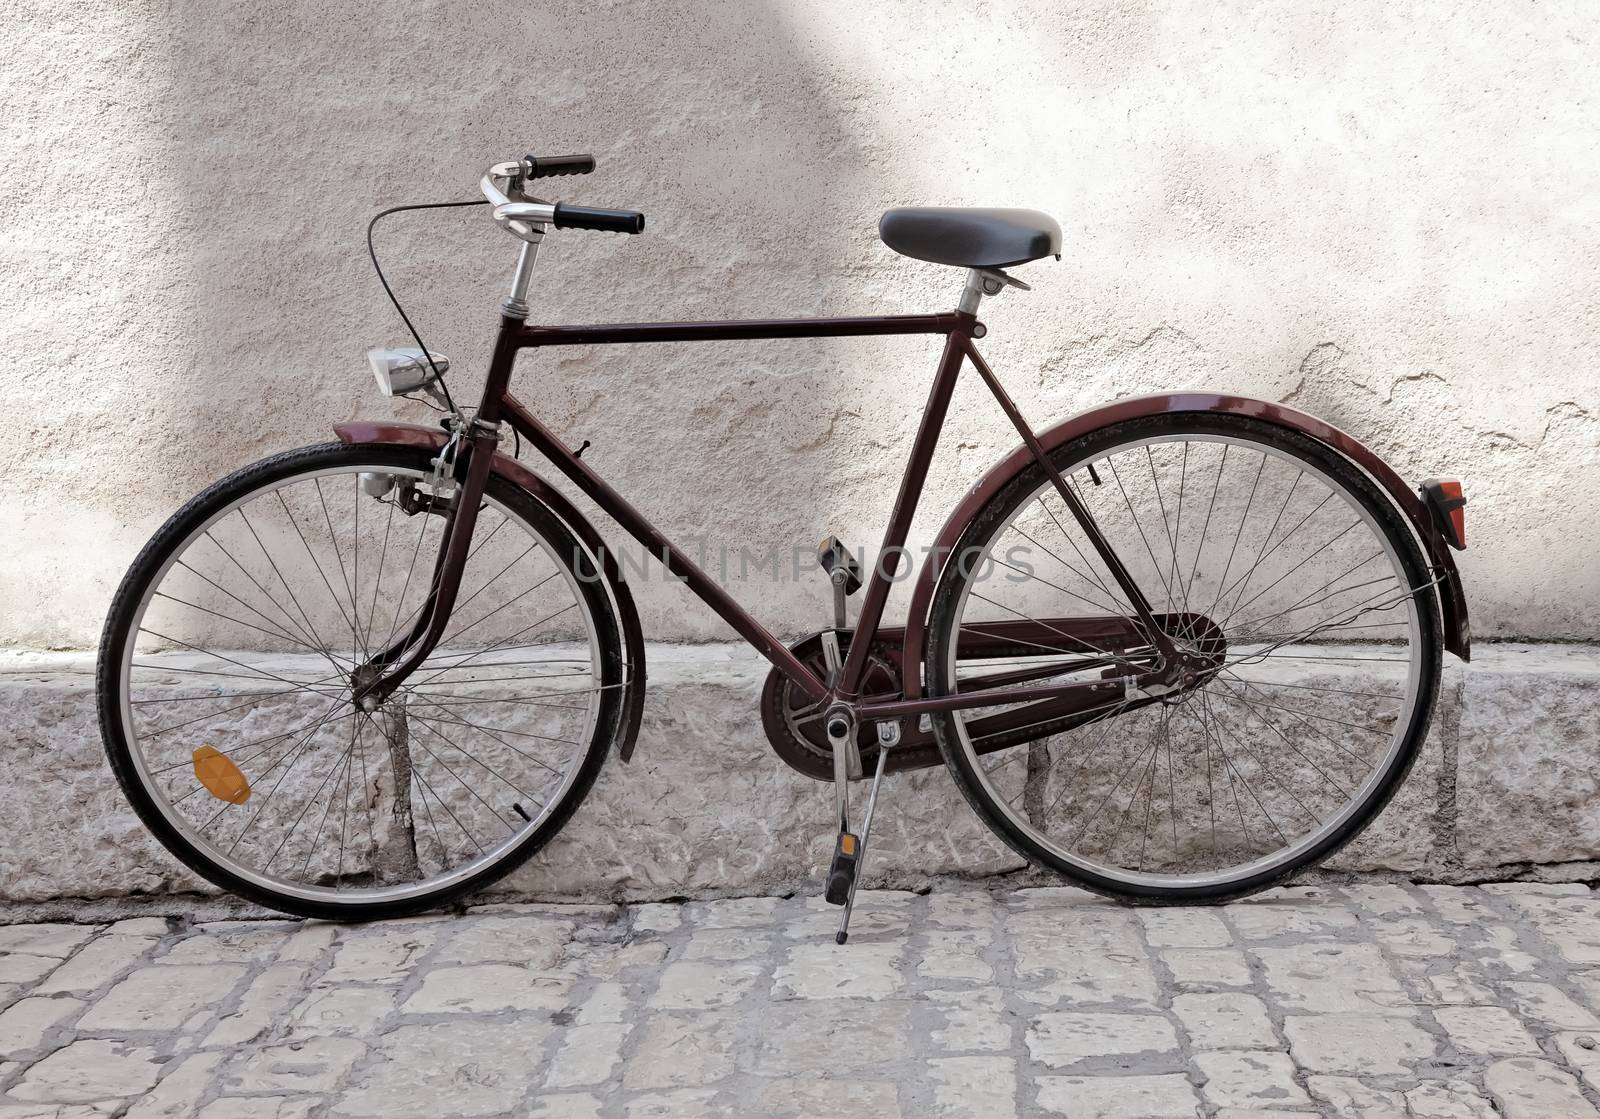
1447 505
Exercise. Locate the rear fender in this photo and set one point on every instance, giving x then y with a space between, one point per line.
1452 600
431 438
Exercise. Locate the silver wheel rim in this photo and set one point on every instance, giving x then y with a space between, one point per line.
587 650
1289 854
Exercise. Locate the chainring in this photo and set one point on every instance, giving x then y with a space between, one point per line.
794 723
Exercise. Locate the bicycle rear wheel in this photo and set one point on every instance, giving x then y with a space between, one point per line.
1267 552
227 666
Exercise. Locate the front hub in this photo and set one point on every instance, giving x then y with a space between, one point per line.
362 682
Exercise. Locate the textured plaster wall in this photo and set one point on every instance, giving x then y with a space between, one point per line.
1385 214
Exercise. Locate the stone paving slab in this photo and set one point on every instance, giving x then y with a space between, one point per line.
1373 1001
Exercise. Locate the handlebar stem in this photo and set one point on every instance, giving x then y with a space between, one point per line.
515 305
527 219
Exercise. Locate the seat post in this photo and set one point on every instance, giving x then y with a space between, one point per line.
975 290
980 282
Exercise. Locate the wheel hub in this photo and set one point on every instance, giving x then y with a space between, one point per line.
362 681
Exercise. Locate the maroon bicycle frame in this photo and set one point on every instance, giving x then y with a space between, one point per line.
959 328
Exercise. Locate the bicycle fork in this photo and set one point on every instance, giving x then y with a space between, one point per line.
478 435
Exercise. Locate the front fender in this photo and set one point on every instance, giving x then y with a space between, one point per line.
1452 600
432 438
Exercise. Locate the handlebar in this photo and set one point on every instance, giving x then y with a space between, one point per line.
587 217
543 166
526 217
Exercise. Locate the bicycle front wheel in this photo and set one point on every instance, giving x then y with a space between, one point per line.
235 641
1265 555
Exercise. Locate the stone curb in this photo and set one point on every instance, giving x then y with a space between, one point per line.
1507 787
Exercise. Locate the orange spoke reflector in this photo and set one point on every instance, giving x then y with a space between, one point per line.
222 779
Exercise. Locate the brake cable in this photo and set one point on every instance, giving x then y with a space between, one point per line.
427 354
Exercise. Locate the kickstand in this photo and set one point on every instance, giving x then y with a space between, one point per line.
866 831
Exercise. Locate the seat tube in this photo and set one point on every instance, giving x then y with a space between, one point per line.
888 560
957 345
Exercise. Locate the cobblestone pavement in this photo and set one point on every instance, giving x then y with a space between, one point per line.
1378 1000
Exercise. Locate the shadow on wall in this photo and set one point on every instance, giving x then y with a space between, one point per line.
761 197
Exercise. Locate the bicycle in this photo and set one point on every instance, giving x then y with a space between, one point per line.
1175 648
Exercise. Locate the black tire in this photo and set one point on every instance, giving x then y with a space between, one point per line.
197 512
989 521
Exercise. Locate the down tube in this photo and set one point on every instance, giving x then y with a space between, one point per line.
637 526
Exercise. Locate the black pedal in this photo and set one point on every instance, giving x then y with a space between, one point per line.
834 556
842 873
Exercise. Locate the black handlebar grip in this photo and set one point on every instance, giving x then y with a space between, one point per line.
543 166
587 217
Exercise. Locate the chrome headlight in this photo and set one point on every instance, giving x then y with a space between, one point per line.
402 370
